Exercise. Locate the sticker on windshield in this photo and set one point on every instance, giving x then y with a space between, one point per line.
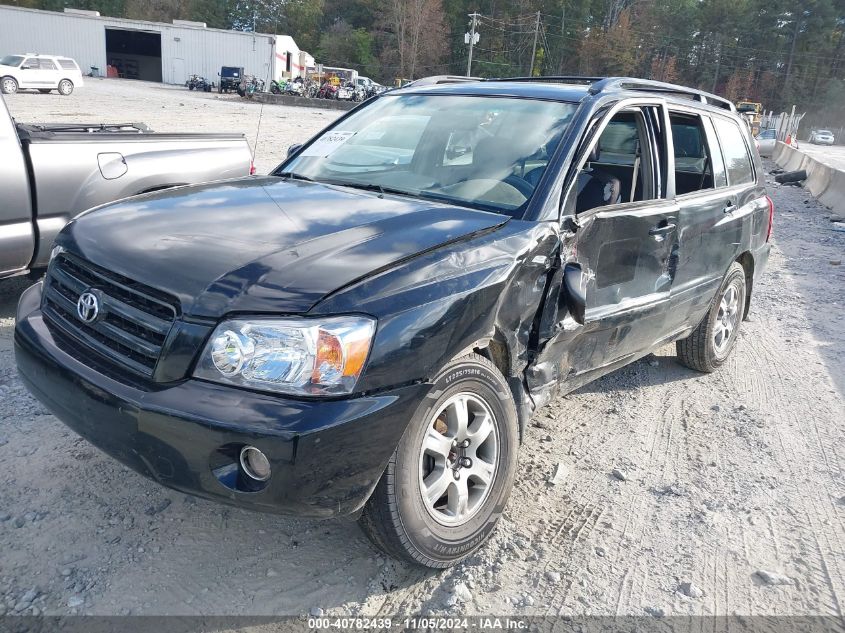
327 144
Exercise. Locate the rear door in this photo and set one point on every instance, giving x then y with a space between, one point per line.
705 203
48 75
623 220
712 192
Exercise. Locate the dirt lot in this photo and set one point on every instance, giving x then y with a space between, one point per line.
728 495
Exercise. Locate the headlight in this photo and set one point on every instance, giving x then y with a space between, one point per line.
295 356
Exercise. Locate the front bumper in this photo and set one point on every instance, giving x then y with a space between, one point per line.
326 455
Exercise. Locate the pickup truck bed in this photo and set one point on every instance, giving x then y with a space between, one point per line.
54 172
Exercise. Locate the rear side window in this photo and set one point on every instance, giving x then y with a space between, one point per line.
737 159
67 64
46 64
693 158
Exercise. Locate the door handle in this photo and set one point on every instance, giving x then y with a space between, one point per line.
730 207
662 230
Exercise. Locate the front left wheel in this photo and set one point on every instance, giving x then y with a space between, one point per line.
449 479
8 85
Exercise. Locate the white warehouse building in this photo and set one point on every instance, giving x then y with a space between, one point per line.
151 51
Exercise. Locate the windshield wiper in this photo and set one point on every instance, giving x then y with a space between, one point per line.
294 176
366 186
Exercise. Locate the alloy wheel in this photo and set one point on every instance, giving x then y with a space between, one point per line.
458 459
726 319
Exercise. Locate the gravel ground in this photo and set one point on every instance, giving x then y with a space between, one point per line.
676 493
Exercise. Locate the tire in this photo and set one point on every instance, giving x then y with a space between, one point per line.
65 87
398 519
705 350
8 85
44 91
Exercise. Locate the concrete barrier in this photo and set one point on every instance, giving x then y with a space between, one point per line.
824 182
303 102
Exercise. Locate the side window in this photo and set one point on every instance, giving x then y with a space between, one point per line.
693 157
46 64
737 159
30 62
619 167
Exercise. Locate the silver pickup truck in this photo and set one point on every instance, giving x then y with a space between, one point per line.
51 173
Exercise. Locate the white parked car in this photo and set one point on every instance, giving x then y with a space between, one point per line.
821 137
766 141
39 72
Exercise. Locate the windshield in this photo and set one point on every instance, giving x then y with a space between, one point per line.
11 60
828 132
767 134
482 152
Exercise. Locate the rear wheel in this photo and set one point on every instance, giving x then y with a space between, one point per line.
710 344
449 479
65 87
8 85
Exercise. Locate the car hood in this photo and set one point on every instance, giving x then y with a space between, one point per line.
262 244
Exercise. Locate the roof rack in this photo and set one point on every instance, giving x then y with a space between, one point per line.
647 85
442 79
559 79
600 84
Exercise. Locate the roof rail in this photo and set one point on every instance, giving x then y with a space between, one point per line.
442 79
647 85
562 79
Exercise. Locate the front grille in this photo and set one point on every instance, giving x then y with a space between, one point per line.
133 320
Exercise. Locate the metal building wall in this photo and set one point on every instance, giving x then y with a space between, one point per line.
184 50
49 33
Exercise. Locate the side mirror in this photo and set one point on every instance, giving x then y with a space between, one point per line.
293 149
575 286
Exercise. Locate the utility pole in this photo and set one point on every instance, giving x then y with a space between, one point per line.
534 48
471 38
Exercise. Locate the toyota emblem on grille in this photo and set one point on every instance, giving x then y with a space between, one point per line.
88 307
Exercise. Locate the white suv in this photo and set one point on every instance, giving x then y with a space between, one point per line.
39 72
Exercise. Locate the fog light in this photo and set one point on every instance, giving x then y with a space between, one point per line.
255 463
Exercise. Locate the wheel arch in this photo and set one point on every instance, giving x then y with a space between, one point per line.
498 351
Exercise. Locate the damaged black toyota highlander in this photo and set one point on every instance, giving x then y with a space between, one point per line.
367 330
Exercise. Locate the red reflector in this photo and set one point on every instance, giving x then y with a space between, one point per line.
771 217
251 168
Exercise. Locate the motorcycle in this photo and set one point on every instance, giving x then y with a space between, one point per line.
250 85
359 94
295 88
327 91
278 87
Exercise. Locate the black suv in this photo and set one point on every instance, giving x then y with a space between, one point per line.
230 78
367 330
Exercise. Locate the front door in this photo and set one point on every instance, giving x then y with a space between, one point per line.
37 73
624 237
